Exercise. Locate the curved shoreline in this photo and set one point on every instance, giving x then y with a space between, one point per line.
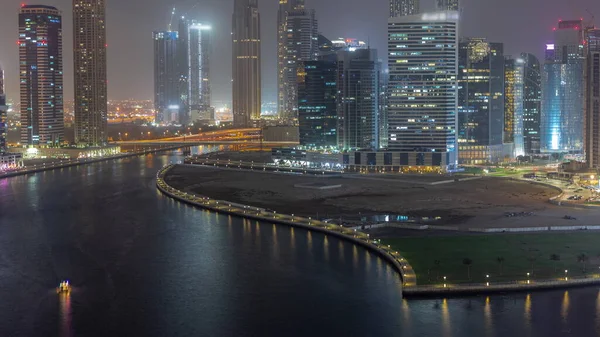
399 264
85 161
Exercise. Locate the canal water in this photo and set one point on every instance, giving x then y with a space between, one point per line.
145 265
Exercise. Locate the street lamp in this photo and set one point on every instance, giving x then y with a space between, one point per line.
444 281
566 273
487 277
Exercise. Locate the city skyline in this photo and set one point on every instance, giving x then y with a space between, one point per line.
131 48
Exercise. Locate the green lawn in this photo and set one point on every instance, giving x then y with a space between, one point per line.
522 253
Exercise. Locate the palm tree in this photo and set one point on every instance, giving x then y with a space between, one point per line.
468 262
500 261
555 258
437 268
582 258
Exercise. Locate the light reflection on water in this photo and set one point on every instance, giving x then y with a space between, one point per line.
66 328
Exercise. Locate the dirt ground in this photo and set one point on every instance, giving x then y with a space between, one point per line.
466 204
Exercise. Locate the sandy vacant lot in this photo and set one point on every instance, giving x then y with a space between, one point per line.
468 204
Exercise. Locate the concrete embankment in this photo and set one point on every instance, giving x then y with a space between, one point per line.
393 258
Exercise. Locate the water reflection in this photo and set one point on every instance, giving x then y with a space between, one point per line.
446 329
487 315
564 311
64 302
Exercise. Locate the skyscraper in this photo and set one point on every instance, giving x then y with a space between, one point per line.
89 53
562 117
167 100
592 98
246 63
447 5
480 101
532 98
513 104
297 35
422 106
41 75
317 105
357 99
403 7
199 45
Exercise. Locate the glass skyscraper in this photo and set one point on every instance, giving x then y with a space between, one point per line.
403 7
423 102
41 75
513 105
592 99
317 104
532 98
167 101
357 100
480 100
562 117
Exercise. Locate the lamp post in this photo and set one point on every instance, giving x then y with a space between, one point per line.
566 275
444 281
487 277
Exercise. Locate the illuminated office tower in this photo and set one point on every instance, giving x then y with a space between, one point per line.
358 99
246 63
592 98
447 5
532 98
513 104
403 7
297 41
317 105
562 117
480 101
422 100
167 100
199 45
89 53
41 75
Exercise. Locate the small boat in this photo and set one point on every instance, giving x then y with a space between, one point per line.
64 288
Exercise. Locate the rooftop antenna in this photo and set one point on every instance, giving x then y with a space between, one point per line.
171 21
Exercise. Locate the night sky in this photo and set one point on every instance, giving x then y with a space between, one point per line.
522 25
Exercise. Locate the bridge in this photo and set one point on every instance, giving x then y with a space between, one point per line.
246 137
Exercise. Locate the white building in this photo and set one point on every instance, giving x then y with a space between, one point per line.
423 90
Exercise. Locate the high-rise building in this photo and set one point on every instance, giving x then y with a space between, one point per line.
513 104
199 50
480 101
382 111
246 63
89 53
447 5
422 106
317 104
166 77
592 98
404 7
562 117
297 37
41 75
357 99
532 98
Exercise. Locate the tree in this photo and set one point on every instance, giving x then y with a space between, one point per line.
555 258
437 268
500 261
583 259
468 262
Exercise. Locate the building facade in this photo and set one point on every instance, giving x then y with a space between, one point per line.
358 99
513 105
41 76
404 7
297 41
480 101
592 99
447 5
89 53
562 117
3 121
166 77
246 63
423 97
199 51
317 103
532 100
